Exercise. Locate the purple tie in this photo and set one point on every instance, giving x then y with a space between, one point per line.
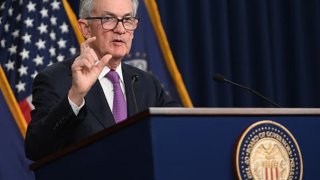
119 104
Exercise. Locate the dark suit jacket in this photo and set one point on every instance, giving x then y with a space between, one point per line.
53 124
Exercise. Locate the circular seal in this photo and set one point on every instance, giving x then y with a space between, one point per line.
267 150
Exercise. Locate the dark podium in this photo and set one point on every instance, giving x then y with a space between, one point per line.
178 144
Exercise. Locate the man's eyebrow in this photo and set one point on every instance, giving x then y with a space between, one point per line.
107 13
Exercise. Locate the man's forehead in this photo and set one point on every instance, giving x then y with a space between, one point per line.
113 7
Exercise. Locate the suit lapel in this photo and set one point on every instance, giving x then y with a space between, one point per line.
127 77
98 105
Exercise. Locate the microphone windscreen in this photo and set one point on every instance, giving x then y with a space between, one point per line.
218 77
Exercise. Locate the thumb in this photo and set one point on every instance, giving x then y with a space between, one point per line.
104 61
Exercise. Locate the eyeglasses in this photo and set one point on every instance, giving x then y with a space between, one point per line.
110 23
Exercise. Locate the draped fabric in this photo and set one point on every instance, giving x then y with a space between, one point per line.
271 46
13 163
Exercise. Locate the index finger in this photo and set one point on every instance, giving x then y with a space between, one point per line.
87 42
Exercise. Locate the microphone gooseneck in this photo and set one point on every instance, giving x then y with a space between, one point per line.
222 79
134 79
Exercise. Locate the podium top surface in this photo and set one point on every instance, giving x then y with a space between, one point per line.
233 111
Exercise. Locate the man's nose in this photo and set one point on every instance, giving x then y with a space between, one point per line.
119 28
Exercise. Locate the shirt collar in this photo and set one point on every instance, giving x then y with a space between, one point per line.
106 69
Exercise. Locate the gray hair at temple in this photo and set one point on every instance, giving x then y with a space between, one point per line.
85 8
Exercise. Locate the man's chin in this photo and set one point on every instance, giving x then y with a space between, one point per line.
119 54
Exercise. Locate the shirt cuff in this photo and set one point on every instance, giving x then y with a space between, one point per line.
74 107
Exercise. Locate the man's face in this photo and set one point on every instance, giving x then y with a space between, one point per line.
116 42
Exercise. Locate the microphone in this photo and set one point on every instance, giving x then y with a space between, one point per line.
134 79
222 79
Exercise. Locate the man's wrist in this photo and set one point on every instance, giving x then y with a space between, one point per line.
75 98
75 107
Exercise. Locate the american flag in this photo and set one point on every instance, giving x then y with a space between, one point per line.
33 35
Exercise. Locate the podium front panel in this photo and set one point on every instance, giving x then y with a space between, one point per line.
172 147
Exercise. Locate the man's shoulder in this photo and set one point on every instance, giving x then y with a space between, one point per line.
134 70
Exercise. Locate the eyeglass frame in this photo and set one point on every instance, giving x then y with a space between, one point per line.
101 18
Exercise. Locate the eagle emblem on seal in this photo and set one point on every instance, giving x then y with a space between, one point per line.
268 151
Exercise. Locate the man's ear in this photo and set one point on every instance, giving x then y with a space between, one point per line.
84 28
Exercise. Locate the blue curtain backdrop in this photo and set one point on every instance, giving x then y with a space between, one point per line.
272 46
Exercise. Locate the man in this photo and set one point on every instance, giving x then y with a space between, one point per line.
76 98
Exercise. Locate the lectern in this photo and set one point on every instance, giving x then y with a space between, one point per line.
177 144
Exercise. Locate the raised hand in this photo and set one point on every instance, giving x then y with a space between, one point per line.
85 71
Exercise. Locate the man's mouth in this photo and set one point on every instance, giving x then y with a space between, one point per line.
118 41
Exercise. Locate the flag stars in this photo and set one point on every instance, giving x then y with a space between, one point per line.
43 28
40 44
64 28
60 57
52 51
44 12
6 27
10 11
13 49
55 5
24 54
73 50
25 41
53 20
28 22
23 70
3 5
3 43
62 43
15 34
38 60
31 7
50 63
52 35
18 18
9 65
26 38
35 73
21 86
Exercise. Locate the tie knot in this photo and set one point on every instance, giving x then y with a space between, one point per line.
113 76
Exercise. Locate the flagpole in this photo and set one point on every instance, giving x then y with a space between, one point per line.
73 20
167 53
12 103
